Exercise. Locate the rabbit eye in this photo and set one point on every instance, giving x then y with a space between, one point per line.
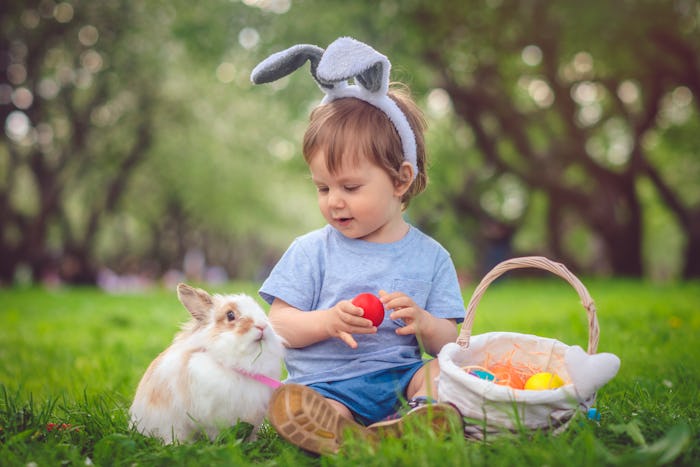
231 315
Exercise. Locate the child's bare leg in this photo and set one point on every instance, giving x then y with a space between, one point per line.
440 417
423 381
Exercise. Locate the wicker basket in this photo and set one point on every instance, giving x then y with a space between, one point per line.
491 408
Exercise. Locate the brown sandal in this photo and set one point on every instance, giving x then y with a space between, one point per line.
306 419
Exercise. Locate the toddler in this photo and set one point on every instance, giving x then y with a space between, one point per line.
365 151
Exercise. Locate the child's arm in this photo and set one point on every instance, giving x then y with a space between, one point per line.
303 328
432 332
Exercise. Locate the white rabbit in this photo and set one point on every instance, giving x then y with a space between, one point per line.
219 370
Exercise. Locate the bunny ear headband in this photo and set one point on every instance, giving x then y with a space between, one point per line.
344 59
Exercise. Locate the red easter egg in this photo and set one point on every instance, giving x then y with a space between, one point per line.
373 307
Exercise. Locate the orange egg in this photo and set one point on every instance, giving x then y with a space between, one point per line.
507 375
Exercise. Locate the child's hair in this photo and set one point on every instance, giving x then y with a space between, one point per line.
350 127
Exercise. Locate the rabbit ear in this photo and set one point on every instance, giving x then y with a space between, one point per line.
197 301
373 78
348 58
283 63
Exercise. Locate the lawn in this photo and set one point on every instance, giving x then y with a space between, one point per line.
71 359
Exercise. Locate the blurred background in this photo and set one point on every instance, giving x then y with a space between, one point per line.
135 150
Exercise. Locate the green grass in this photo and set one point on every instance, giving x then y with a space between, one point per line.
74 357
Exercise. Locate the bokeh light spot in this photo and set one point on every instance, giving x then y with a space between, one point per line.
48 88
88 35
439 103
531 55
628 92
275 6
22 98
63 12
226 72
30 19
91 60
248 38
541 93
583 62
17 126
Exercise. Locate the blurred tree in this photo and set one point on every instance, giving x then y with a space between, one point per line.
123 143
552 103
77 101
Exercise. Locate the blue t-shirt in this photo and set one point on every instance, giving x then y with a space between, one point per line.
324 267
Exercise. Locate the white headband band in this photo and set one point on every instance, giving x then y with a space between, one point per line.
345 59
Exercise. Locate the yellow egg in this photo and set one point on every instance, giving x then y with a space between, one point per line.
544 380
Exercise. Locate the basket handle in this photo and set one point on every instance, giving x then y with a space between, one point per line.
538 262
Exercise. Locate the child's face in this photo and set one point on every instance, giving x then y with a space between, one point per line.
360 200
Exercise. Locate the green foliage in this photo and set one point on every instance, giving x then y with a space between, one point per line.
72 359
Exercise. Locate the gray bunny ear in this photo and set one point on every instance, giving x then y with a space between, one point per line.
282 63
372 78
347 58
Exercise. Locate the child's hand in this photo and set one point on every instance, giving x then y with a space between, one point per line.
433 333
345 319
405 308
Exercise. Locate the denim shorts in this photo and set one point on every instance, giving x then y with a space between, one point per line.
374 396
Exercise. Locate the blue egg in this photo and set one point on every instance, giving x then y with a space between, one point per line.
483 374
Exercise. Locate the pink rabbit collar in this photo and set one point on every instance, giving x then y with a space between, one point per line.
266 380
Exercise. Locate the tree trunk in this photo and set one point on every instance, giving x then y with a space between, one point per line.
617 218
691 268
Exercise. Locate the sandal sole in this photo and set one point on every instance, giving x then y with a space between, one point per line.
306 419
